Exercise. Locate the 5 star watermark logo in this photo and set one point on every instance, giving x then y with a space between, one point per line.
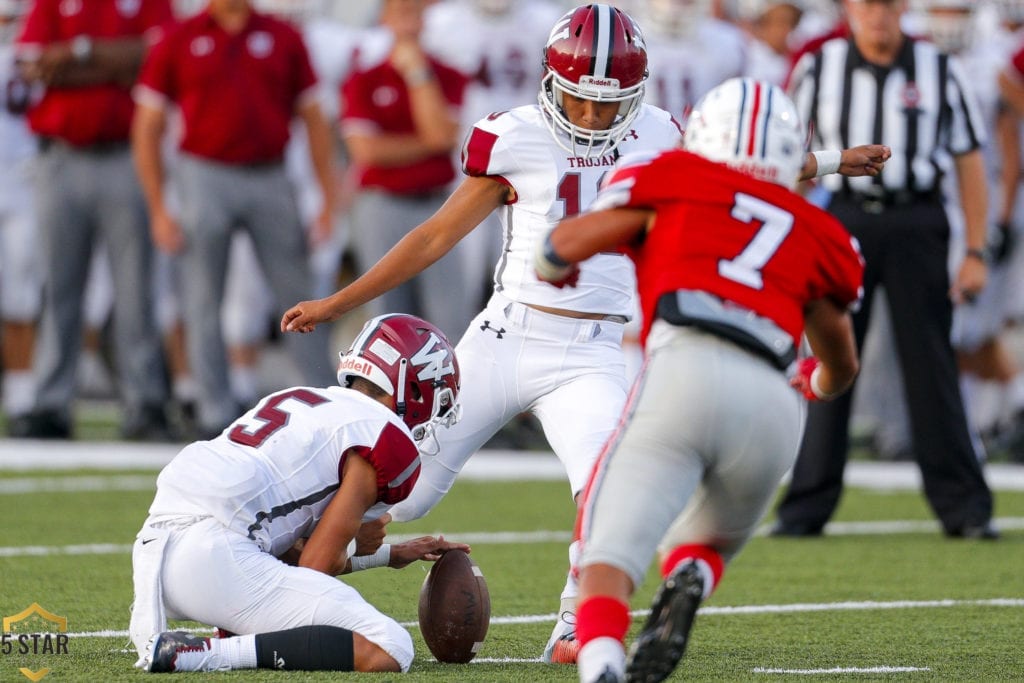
32 632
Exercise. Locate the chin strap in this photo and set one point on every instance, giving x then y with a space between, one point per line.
403 368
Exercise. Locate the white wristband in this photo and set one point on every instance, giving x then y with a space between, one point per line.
381 558
816 385
350 550
828 161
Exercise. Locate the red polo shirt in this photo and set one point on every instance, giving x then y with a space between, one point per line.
237 92
377 100
94 114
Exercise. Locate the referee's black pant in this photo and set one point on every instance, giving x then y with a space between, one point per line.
905 248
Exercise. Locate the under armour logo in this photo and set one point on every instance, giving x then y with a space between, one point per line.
500 331
632 133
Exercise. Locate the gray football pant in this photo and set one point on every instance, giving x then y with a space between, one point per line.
217 199
83 197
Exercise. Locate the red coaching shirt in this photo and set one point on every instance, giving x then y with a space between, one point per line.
747 241
238 92
377 100
93 114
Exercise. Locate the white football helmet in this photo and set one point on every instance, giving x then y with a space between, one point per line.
673 19
751 126
1010 11
752 10
493 7
297 11
947 23
187 8
594 52
11 14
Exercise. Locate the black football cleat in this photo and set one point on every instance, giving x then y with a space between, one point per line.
662 642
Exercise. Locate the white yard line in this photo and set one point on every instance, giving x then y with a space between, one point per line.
703 611
844 670
22 455
526 537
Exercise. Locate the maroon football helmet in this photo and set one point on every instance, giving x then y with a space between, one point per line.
595 52
413 362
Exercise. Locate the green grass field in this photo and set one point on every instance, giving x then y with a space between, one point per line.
908 605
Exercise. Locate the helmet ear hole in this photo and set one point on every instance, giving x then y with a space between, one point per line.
415 393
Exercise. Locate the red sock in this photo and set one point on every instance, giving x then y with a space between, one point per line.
601 616
695 552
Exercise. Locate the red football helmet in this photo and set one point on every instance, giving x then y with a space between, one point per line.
595 52
413 362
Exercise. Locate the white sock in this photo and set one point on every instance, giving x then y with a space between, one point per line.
572 585
244 384
705 573
1015 393
19 392
238 651
185 388
599 655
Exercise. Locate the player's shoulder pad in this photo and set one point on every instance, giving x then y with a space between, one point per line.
655 120
494 141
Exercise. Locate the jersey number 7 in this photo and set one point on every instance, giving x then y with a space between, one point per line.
776 223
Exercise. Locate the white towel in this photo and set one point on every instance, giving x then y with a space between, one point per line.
148 615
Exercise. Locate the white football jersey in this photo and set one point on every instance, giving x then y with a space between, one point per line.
271 474
516 147
682 71
765 64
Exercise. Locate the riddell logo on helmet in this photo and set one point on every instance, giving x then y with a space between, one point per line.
597 82
355 365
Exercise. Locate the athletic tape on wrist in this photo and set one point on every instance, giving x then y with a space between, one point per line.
381 558
816 385
828 161
548 264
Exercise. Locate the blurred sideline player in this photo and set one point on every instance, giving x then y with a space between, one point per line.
498 47
248 305
21 262
954 25
689 50
555 353
769 25
247 531
731 265
498 44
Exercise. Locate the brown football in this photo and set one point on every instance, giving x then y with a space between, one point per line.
455 608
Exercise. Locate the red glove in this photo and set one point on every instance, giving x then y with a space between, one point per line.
801 381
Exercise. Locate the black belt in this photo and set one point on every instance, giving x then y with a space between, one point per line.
106 147
878 202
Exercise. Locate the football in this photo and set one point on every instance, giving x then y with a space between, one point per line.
455 608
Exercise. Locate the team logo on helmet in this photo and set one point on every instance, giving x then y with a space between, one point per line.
413 362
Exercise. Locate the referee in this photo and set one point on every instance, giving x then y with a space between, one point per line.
880 85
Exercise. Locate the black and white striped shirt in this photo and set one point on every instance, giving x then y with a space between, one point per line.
920 106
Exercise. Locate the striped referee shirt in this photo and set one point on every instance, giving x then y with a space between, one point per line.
920 106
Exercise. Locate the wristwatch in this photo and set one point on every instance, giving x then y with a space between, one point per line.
81 48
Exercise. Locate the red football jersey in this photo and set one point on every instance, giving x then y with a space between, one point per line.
747 241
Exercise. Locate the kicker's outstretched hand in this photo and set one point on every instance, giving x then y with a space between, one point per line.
304 316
